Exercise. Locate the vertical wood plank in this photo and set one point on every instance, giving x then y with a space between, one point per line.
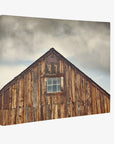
29 90
24 98
29 114
21 94
13 116
98 101
73 94
0 117
20 116
6 117
102 102
0 101
39 93
108 105
35 87
94 100
14 96
89 95
105 104
78 95
35 114
6 99
48 115
86 92
82 100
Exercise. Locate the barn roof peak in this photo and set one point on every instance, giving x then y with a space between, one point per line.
51 50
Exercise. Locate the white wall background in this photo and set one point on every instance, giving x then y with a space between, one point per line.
95 129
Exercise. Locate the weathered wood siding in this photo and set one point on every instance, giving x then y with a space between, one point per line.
26 99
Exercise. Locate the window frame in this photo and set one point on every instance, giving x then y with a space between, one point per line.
57 84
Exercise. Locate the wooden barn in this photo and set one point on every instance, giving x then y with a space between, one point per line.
51 88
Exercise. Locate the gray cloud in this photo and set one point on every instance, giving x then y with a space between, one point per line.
86 43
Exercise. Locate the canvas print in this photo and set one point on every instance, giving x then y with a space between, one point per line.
53 68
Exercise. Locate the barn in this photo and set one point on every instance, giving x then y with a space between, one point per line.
51 88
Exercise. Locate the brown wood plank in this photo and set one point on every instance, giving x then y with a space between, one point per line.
24 97
51 107
29 114
94 108
55 98
29 90
35 87
102 102
61 66
17 103
0 101
14 96
6 99
70 84
39 93
73 94
56 111
108 105
5 117
63 114
43 88
13 116
82 100
10 103
66 86
0 117
48 115
35 114
21 94
105 104
98 101
42 67
78 95
20 115
85 102
89 95
44 112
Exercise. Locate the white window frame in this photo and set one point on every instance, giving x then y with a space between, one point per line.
58 84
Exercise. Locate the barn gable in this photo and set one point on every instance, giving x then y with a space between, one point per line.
50 88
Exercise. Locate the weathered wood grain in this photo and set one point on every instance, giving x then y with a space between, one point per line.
13 98
0 117
13 116
89 97
94 106
27 100
5 117
98 101
102 102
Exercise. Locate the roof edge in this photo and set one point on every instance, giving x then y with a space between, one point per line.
82 72
61 56
28 68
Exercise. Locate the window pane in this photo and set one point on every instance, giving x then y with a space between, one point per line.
49 88
53 85
49 81
59 88
59 80
54 88
55 81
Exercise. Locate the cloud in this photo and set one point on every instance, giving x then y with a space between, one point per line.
86 44
7 73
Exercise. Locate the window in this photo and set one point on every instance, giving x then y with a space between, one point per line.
53 85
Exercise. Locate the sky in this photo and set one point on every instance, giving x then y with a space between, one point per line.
24 39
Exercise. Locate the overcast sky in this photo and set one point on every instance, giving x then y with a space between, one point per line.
85 44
